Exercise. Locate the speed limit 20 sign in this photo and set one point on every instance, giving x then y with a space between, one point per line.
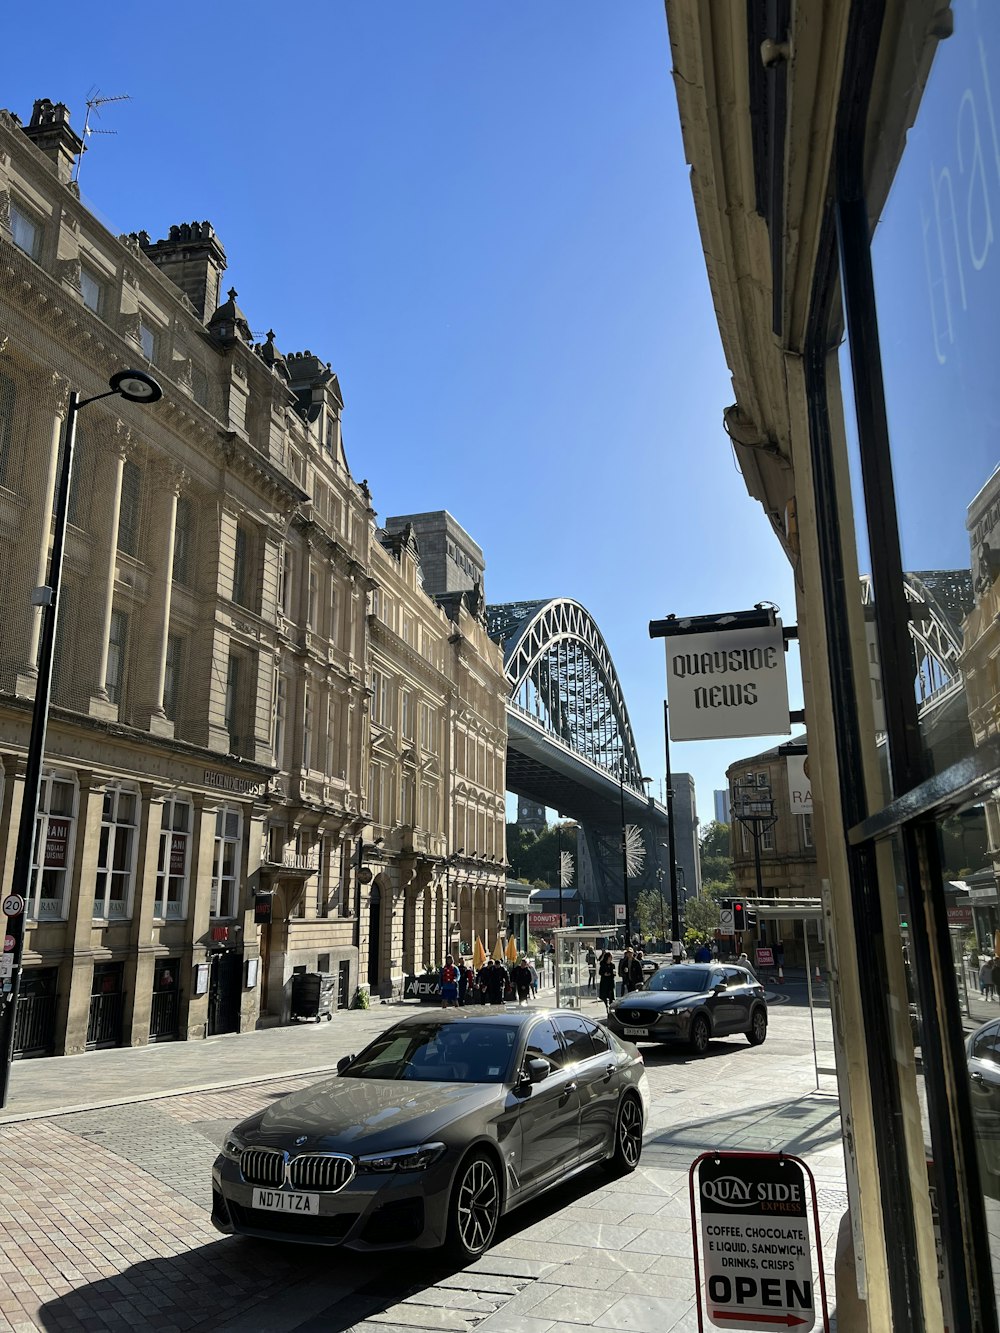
13 905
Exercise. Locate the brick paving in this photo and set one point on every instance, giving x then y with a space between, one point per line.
105 1220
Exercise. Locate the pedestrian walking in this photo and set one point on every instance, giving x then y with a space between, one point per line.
606 973
520 975
703 954
995 977
464 980
449 983
591 959
496 982
534 977
986 979
630 971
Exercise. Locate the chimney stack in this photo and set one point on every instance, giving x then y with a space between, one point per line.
192 257
49 130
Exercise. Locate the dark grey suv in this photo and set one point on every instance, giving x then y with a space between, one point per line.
692 1003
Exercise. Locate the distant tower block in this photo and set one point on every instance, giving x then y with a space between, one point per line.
530 815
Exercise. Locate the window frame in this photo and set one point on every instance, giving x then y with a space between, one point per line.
118 837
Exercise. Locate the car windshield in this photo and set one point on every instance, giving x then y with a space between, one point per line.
680 979
437 1052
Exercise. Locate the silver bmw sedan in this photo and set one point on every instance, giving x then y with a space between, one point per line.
439 1127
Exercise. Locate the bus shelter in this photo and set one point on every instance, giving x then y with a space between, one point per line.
572 971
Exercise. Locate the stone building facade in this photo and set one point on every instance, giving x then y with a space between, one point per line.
788 865
205 826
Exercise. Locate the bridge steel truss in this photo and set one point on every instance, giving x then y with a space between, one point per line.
562 675
570 742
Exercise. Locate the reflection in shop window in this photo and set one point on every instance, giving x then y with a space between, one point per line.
226 862
173 861
55 836
116 854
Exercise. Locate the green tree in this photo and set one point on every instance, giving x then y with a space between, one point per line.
652 914
701 914
716 854
535 856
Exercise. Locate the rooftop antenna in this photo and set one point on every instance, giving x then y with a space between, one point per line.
94 103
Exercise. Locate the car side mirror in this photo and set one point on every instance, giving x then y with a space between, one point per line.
719 985
344 1062
534 1070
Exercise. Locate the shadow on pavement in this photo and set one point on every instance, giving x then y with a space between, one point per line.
227 1285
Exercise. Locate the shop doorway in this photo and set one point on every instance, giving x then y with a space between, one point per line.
224 990
35 1020
374 936
164 1011
107 1005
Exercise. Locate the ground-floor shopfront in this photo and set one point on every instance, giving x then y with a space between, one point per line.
847 180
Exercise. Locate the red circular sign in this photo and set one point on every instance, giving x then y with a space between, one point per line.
8 944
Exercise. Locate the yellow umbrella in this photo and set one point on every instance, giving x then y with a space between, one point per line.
511 950
498 950
478 954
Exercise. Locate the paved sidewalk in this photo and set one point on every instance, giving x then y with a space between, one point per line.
108 1203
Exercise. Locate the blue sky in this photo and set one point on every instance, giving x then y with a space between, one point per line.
479 212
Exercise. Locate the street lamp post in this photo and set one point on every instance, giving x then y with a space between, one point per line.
136 387
675 921
456 919
628 913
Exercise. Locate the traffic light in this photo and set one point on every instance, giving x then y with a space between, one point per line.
739 916
751 916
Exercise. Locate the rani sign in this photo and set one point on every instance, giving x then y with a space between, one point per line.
728 683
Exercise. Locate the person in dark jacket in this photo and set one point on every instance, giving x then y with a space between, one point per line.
630 971
496 982
520 975
606 979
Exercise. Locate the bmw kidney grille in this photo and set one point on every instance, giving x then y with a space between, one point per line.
327 1172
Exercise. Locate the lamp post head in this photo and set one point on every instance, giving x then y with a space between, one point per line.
135 386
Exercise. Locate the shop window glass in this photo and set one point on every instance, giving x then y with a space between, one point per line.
116 854
936 261
226 862
174 858
55 835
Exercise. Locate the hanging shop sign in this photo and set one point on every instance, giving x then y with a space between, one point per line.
799 784
751 1224
262 909
547 920
727 683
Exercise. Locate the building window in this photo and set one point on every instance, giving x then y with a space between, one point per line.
199 386
129 509
806 825
311 620
117 650
116 855
406 720
7 400
381 705
147 337
173 862
376 791
172 675
183 531
234 687
428 806
280 716
91 290
407 790
55 829
767 839
226 862
409 629
307 727
243 582
26 233
428 729
285 581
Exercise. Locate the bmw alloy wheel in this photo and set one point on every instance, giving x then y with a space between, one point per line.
476 1207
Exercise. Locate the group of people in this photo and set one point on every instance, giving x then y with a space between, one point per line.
492 984
989 974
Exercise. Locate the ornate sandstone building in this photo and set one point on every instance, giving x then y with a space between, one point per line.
251 760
